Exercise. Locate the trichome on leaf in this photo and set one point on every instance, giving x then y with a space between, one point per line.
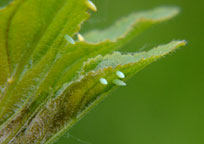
48 80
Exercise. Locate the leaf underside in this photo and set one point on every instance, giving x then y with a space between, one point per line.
47 83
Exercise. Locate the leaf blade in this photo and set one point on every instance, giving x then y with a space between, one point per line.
81 95
39 85
124 28
5 69
32 75
95 49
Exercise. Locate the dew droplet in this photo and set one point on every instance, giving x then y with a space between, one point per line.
80 37
120 74
91 5
69 39
119 82
103 81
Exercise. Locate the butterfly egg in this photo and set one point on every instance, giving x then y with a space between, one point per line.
69 39
80 37
119 82
120 74
91 5
103 81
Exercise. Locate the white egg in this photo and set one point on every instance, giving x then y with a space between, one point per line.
120 74
69 39
103 81
119 82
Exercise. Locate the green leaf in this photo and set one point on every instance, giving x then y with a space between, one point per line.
41 33
85 92
128 27
5 15
59 67
46 82
120 33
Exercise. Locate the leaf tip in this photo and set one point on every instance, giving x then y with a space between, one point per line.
166 12
80 37
91 5
181 43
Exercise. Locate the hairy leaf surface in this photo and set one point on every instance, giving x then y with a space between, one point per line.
47 83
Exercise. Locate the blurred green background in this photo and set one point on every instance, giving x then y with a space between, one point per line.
162 104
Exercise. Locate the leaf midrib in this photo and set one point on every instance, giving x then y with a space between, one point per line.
7 31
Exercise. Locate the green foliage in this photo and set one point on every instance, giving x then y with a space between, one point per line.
47 83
